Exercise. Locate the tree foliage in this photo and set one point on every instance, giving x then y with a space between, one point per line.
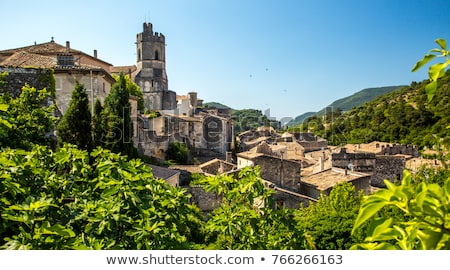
133 89
75 125
246 218
57 200
27 119
97 124
178 153
437 70
426 205
116 116
330 221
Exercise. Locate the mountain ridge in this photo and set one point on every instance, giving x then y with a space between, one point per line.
347 103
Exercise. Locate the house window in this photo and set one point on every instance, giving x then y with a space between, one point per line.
279 204
145 122
65 60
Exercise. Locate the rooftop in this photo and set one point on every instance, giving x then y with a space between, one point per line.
329 178
162 172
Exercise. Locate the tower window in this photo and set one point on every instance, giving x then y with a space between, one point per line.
156 55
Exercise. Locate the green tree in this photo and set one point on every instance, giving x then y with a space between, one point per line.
97 125
75 125
27 119
330 221
72 199
178 153
245 219
116 117
134 90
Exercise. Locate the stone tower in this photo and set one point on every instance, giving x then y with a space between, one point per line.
151 70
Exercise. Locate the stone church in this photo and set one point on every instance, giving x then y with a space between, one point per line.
151 73
207 132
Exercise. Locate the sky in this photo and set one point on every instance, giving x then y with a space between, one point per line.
283 57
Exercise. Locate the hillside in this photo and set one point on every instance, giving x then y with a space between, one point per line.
402 116
347 103
215 105
245 119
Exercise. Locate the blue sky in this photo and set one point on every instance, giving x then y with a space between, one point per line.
287 56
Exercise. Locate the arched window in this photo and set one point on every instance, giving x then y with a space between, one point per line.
156 55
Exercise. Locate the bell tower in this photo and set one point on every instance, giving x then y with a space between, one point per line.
151 70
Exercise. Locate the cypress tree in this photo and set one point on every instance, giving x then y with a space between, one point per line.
75 126
117 119
97 125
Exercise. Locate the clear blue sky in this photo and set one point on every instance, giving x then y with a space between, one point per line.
289 56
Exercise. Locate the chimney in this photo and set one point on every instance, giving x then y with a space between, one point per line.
95 53
228 157
68 46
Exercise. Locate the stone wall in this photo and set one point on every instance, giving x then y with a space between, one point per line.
310 190
359 162
283 173
217 166
18 77
402 149
206 201
387 167
288 200
313 146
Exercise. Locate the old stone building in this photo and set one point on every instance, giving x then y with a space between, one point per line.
379 166
151 74
206 132
323 182
69 65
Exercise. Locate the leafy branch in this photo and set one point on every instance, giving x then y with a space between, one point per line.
437 70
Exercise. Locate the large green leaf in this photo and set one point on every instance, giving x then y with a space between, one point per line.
368 210
427 58
442 43
430 238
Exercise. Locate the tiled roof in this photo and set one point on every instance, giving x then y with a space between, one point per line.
122 69
329 178
189 168
47 49
23 59
44 48
26 59
161 172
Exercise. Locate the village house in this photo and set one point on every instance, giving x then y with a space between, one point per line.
323 182
381 161
69 65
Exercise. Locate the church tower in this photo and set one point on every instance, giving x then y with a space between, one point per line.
151 70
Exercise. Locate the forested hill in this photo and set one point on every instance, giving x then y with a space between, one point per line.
245 119
349 102
403 116
360 98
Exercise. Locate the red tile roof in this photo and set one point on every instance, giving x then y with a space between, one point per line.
46 49
24 59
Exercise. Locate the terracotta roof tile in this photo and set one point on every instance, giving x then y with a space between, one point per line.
23 59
